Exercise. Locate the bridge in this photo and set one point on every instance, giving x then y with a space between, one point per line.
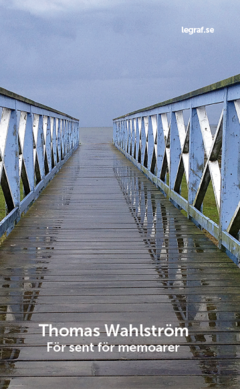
108 276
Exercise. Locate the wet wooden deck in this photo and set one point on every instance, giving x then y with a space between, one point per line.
103 246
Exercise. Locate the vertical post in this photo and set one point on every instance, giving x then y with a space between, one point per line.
54 143
63 138
144 133
137 140
223 167
39 145
150 143
175 151
125 134
47 136
10 175
161 144
28 157
230 169
196 157
143 140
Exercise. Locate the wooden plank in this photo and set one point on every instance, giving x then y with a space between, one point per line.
65 291
46 306
197 338
100 368
116 368
85 256
130 382
73 352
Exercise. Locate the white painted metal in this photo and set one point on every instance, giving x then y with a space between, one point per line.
34 143
166 151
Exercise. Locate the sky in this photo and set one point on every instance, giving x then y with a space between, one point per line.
100 59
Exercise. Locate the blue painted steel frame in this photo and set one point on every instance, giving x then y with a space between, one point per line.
35 141
180 149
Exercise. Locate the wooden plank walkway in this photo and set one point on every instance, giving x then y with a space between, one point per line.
103 246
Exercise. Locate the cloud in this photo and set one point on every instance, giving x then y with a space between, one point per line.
114 56
57 7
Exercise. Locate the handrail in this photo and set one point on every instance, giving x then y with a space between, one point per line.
16 97
35 141
212 87
166 147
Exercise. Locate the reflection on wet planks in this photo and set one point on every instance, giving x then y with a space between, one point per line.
27 272
163 230
107 247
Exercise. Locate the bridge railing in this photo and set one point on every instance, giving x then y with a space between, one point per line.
35 141
175 145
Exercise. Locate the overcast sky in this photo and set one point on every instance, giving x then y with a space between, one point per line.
99 59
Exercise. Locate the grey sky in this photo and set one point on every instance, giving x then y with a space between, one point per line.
97 60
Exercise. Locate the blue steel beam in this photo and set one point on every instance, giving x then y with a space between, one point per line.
191 149
35 141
